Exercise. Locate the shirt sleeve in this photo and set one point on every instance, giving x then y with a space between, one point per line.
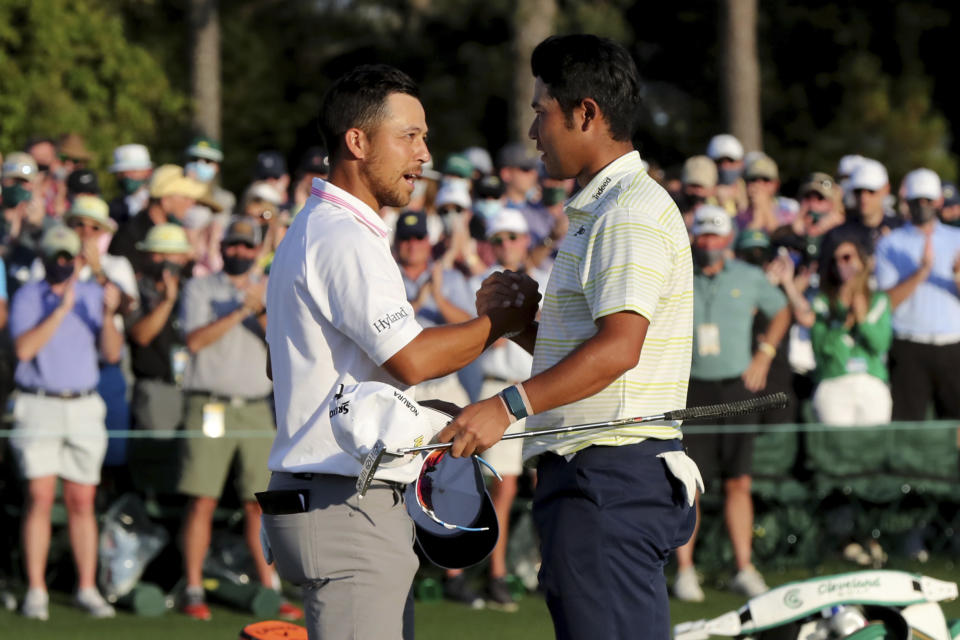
770 299
876 331
886 271
26 311
625 265
195 308
366 297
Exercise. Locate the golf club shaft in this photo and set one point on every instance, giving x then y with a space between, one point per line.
727 409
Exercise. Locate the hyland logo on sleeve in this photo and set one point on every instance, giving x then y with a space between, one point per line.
384 323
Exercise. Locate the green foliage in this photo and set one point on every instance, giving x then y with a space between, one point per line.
66 65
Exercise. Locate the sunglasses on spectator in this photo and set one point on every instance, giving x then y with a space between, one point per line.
202 160
84 224
500 239
759 179
813 195
857 192
451 208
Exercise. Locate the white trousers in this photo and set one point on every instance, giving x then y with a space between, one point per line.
853 399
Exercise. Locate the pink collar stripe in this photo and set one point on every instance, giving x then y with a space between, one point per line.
374 227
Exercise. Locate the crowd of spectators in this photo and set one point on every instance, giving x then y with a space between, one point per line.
147 312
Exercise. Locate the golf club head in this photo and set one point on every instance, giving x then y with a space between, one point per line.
370 464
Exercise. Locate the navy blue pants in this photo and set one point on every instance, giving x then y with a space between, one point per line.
608 520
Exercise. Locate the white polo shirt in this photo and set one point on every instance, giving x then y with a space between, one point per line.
337 310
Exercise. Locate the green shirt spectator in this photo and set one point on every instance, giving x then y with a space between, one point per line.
862 348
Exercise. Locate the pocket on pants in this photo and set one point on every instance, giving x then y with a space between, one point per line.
291 541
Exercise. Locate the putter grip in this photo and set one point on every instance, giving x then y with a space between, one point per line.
754 405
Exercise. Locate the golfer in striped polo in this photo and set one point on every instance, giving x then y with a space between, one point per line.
614 341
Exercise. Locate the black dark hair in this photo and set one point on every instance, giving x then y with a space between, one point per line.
580 66
357 99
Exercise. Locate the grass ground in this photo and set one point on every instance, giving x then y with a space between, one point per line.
435 620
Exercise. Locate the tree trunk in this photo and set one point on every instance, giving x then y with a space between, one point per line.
205 67
741 72
533 22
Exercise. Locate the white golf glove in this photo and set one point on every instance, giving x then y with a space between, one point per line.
685 470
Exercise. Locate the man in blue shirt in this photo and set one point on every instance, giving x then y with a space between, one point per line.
57 325
918 265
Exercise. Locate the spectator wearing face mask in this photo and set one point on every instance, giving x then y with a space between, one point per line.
60 326
820 205
23 218
918 265
725 368
132 167
158 355
727 152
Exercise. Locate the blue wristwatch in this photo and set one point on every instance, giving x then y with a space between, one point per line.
511 396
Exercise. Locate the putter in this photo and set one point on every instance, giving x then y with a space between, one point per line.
724 410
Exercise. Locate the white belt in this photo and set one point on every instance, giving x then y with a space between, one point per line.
938 339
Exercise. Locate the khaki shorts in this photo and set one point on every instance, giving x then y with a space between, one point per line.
59 437
206 461
507 455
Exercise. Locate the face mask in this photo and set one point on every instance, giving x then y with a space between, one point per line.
14 195
172 219
129 185
202 171
452 222
57 273
921 213
727 176
553 195
531 194
705 257
157 268
236 266
487 208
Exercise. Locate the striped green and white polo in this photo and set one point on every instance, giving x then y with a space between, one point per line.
627 249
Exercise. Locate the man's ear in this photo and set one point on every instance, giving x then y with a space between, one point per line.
590 112
356 143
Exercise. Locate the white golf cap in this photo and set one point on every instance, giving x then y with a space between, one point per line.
922 183
711 219
453 192
509 220
480 159
725 145
130 157
365 412
869 174
848 164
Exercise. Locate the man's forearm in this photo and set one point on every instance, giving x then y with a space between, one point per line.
29 343
900 292
207 335
149 326
441 350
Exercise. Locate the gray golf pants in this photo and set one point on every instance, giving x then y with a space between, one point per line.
353 558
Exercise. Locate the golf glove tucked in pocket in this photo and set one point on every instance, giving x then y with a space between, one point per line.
685 470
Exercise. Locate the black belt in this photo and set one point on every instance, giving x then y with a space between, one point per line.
399 486
234 401
63 395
